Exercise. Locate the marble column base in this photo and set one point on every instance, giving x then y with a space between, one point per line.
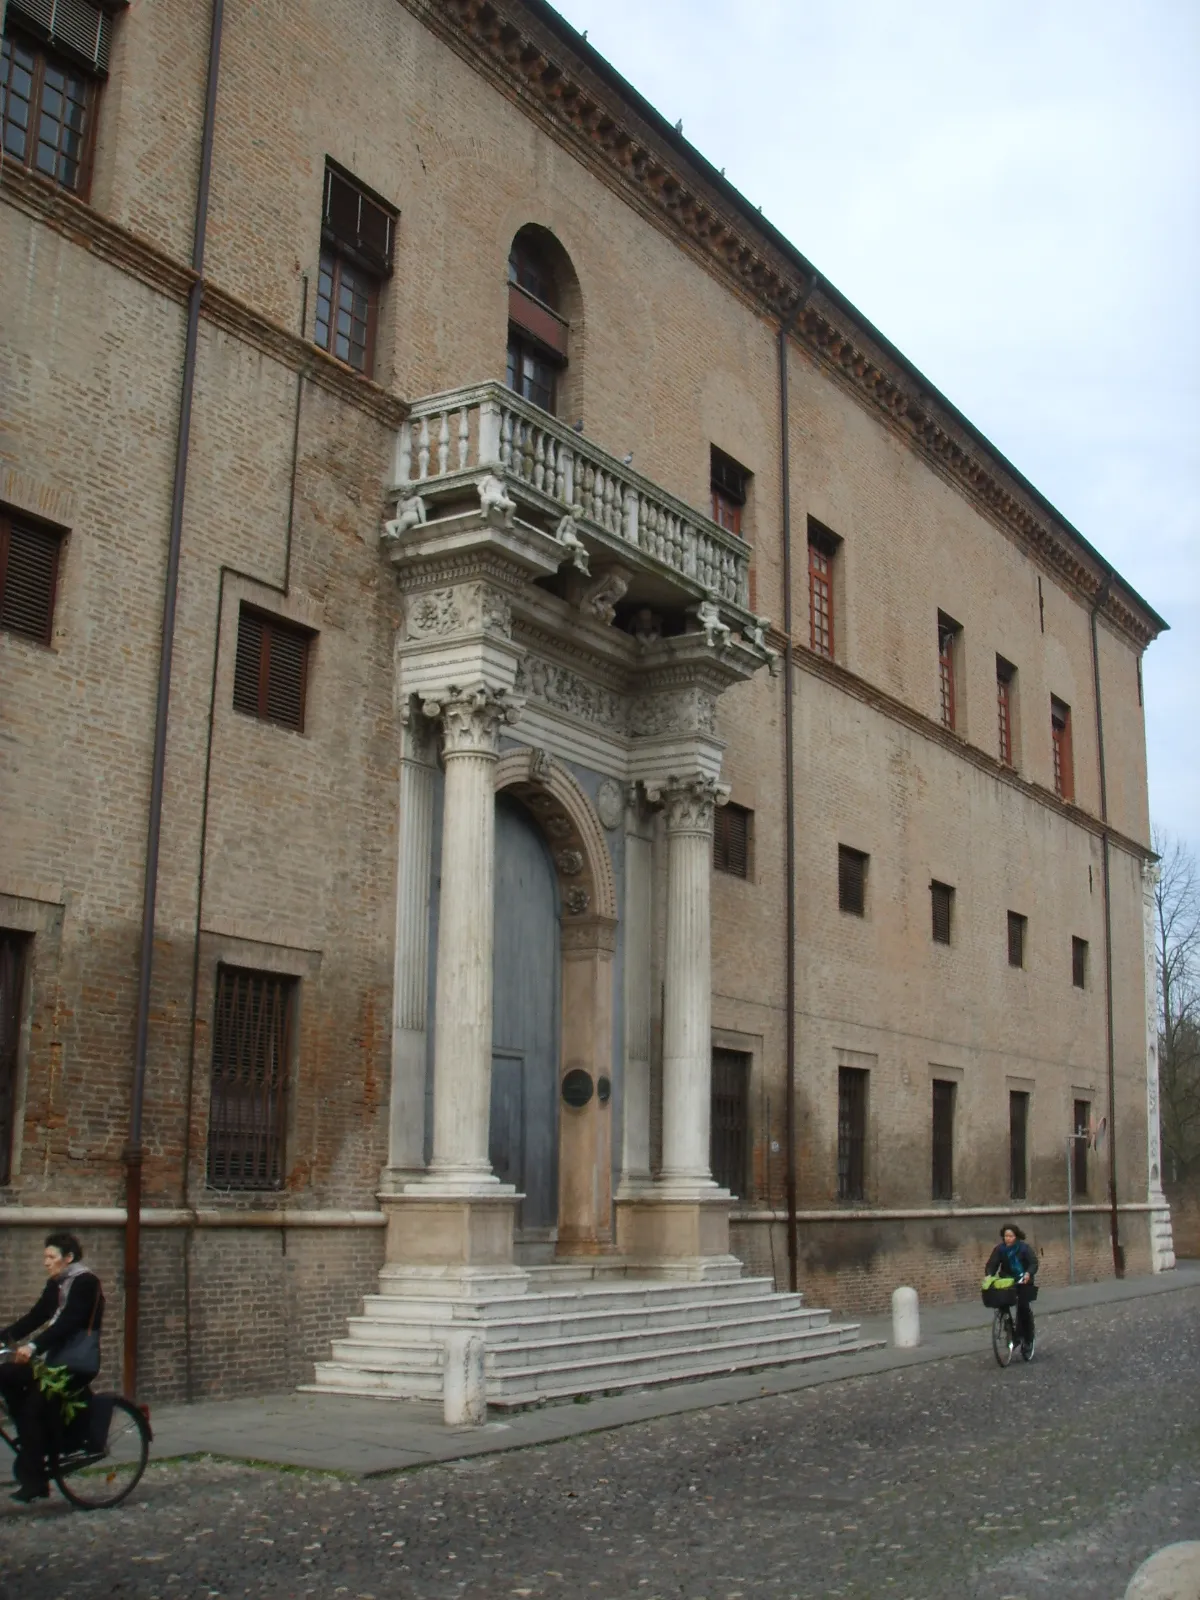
446 1233
678 1235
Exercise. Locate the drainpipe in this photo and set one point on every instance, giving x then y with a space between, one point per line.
1118 1253
133 1148
789 790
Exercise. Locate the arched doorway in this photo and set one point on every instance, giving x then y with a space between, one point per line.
523 1134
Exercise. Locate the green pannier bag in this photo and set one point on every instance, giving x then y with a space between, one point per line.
998 1291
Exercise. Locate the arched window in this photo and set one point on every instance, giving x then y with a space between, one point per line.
543 298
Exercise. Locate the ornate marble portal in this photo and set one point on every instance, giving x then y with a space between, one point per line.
563 605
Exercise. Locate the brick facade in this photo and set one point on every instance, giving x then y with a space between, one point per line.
279 848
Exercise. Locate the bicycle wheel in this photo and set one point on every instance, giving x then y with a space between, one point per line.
1003 1337
1028 1348
94 1481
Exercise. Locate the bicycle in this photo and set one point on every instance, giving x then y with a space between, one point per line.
1004 1337
97 1459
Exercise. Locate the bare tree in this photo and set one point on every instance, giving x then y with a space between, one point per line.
1177 912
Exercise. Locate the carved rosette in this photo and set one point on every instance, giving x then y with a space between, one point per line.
471 720
688 804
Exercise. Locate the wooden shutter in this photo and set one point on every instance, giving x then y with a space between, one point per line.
941 898
248 1105
28 579
358 222
1016 939
81 29
270 670
852 881
731 840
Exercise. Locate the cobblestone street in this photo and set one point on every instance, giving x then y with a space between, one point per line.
940 1482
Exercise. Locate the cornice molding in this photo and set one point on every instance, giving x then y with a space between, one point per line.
44 201
530 63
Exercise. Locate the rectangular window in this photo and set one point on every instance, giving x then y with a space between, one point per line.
28 578
948 632
251 1053
730 487
941 897
852 881
729 1145
1016 939
357 237
944 1092
852 1133
732 839
1005 674
822 551
1079 1149
271 671
1018 1144
1079 962
1060 738
51 58
13 947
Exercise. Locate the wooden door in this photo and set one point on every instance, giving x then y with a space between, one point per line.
523 1140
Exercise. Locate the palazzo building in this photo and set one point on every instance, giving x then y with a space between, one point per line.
539 756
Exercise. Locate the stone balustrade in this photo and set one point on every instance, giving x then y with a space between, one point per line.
550 467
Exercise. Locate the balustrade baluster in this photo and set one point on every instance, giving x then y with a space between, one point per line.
506 439
464 437
404 454
539 465
444 444
630 531
423 449
558 451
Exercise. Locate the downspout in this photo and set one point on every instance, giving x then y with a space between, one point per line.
789 791
133 1148
1118 1253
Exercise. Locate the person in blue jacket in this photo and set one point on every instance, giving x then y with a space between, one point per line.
1014 1258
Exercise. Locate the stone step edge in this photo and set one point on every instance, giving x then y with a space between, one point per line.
704 1316
621 1289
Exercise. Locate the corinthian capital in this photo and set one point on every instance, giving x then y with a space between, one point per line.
688 803
471 719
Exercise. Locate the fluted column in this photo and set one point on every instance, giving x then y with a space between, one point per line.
687 1001
462 1063
410 982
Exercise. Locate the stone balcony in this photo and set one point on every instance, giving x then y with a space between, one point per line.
676 554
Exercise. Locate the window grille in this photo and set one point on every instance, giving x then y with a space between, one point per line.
80 29
28 579
271 669
1079 955
1004 680
731 840
852 1133
13 947
822 548
1079 1149
1016 939
852 881
251 1052
941 897
1060 738
729 1145
948 631
943 1138
1018 1131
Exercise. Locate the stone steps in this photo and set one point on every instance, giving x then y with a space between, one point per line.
579 1334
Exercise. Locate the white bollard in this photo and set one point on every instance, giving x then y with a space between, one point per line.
906 1319
464 1396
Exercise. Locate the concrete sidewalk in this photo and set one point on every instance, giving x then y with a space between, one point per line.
366 1437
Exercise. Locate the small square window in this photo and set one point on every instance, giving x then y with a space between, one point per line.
271 671
1079 963
941 897
29 557
732 829
852 881
1016 939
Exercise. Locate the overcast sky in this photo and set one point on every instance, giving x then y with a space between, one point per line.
1010 193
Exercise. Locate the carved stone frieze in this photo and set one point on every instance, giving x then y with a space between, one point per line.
471 720
464 608
692 710
568 691
688 804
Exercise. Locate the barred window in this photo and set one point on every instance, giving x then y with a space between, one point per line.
729 1138
271 671
251 1053
941 897
852 881
944 1095
852 1133
1016 939
1018 1132
29 557
732 840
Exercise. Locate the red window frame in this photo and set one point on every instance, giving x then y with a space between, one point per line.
820 597
53 85
947 634
1004 711
1060 740
347 312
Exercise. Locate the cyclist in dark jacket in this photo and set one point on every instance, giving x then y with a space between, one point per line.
1016 1259
71 1303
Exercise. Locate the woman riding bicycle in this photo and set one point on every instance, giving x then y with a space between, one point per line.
1014 1258
71 1308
